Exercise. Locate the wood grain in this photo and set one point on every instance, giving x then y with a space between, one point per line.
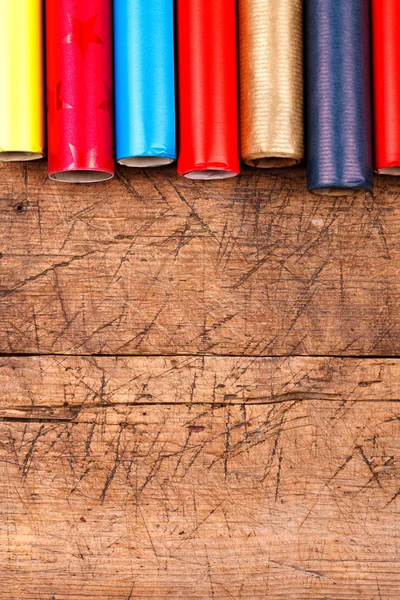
199 389
47 387
207 478
154 264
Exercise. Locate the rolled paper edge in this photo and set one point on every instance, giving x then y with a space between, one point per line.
388 167
335 189
394 171
346 188
8 156
208 172
338 192
81 176
144 162
272 161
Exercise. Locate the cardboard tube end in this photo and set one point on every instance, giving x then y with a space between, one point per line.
19 156
81 176
390 171
210 174
143 162
272 162
338 192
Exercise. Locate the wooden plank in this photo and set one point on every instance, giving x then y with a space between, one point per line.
52 387
264 494
154 264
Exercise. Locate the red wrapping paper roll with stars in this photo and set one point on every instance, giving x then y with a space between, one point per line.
79 90
386 71
208 89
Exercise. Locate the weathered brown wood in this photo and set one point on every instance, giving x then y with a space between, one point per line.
154 264
52 387
189 476
213 478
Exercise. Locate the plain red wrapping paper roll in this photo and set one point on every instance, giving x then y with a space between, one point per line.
208 89
386 71
79 90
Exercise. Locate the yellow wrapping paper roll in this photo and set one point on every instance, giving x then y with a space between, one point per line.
22 135
271 82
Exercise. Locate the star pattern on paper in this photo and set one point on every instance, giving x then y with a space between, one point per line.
56 102
83 159
82 33
60 104
107 103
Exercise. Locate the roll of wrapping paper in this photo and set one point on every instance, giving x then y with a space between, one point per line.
144 82
338 96
271 82
79 88
22 135
208 89
386 70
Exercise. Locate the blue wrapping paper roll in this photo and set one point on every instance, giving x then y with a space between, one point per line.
338 98
144 82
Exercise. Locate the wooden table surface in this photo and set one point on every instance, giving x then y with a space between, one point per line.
199 389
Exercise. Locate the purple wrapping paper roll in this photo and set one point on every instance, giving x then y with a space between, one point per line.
338 96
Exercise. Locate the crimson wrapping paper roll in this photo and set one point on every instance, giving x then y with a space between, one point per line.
208 89
79 90
386 71
338 97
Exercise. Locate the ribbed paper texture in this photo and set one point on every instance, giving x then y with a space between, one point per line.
80 90
338 96
271 82
144 82
208 89
386 71
22 135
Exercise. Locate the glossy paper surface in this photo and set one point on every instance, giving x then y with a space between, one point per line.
386 61
22 131
80 90
271 82
208 89
144 82
338 96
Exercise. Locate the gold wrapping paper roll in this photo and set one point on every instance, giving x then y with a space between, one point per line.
22 132
271 82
